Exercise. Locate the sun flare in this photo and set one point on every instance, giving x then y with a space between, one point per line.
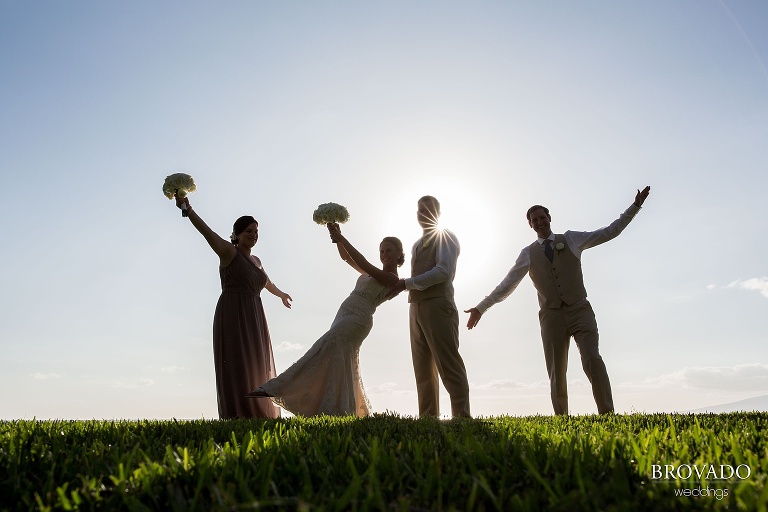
463 211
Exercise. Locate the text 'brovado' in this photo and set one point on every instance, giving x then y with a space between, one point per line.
703 471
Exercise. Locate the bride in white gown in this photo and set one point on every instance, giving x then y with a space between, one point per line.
326 380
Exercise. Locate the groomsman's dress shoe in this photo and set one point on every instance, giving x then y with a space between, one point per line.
258 393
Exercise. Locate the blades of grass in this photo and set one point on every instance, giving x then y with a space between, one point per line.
347 499
535 473
483 483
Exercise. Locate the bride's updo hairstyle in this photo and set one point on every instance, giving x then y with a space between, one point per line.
240 225
399 246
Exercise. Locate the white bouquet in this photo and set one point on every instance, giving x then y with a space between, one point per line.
330 212
180 185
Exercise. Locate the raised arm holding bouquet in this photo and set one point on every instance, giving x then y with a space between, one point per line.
242 350
179 185
326 380
330 213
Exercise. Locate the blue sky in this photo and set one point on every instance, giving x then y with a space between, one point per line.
108 294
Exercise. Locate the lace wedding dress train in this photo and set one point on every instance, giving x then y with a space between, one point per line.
326 380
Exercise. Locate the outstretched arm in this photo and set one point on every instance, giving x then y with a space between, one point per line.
363 265
503 290
225 250
580 241
274 290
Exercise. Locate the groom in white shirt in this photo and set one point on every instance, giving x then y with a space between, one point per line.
433 317
554 264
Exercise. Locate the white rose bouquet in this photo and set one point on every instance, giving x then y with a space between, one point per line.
180 185
330 212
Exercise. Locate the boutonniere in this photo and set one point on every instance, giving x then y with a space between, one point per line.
559 247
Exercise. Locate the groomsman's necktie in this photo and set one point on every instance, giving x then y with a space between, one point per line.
548 250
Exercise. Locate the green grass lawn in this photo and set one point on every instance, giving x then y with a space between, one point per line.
631 462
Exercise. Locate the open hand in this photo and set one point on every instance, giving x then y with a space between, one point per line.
642 195
474 317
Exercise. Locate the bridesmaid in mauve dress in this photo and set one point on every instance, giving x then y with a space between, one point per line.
242 350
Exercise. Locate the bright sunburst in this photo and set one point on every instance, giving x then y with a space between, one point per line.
463 211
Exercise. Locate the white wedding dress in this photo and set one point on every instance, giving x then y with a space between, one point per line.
326 380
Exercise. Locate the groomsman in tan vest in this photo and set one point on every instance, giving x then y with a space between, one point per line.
554 264
434 319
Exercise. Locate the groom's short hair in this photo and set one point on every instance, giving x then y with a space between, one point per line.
536 207
433 200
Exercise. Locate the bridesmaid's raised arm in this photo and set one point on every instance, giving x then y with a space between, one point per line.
225 250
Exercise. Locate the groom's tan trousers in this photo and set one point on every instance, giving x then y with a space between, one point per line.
434 326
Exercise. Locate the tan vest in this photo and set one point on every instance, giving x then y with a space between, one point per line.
560 281
423 260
